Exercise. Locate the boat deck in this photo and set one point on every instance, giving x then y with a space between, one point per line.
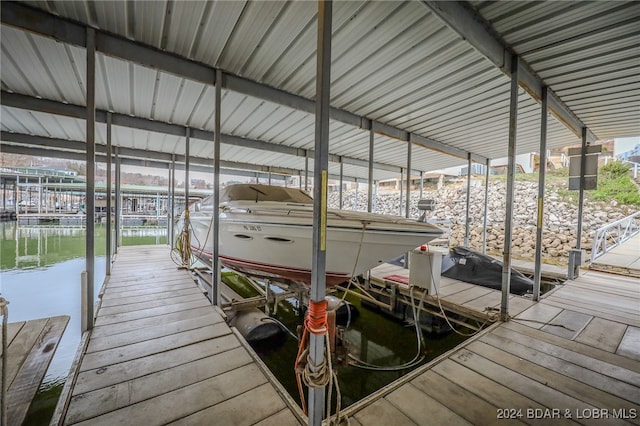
30 348
572 358
160 353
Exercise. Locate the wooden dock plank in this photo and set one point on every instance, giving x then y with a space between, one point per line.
590 396
586 350
423 409
141 323
182 402
262 400
538 315
611 314
630 344
151 333
283 418
382 412
522 384
96 379
603 334
486 388
611 378
145 348
133 390
156 295
146 290
29 358
21 346
147 313
567 324
463 402
194 295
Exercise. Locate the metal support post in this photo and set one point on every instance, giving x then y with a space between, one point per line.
511 169
467 219
486 207
541 181
4 311
341 183
306 170
215 261
90 167
172 203
370 181
583 164
187 159
108 217
316 397
401 195
408 204
421 183
118 200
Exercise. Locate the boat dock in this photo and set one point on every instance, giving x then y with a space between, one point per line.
574 357
461 298
161 353
30 348
623 259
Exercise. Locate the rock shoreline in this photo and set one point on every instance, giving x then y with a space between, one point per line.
559 222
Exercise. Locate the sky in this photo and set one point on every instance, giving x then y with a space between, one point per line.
625 144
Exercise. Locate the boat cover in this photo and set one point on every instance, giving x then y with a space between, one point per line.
476 268
259 192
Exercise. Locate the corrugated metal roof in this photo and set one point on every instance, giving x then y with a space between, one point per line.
393 62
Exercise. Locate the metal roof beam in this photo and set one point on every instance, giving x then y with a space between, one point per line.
75 111
49 145
33 20
473 29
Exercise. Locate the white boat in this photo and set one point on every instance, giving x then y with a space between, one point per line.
266 231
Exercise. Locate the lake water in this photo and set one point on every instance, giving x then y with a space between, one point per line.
40 276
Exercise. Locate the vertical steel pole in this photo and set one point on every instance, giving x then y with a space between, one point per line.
269 176
370 183
467 220
341 182
306 170
409 152
108 216
39 194
90 168
541 181
215 261
486 207
401 197
316 396
118 200
583 164
421 183
173 200
187 182
511 168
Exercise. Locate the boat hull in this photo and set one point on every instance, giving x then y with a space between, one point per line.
264 245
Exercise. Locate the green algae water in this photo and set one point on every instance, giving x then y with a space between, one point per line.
40 268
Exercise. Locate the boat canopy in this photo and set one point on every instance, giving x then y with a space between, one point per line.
260 192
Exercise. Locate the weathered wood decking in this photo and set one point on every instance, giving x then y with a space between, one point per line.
573 358
160 353
31 346
623 259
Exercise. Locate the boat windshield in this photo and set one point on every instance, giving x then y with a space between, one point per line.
260 192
